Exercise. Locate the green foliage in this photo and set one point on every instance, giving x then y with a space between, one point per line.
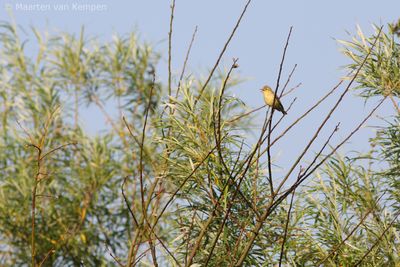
79 208
175 180
395 28
388 140
346 212
192 138
381 72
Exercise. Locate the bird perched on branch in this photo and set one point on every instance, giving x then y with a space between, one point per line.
271 100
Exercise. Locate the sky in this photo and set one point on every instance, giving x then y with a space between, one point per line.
258 44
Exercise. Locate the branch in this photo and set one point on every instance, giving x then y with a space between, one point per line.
185 62
270 179
144 215
170 47
127 203
350 234
222 52
378 240
181 186
273 205
286 229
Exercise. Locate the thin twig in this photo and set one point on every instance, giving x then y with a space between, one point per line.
270 178
217 133
37 178
217 136
394 103
222 52
139 258
135 138
378 240
144 215
304 176
286 228
346 139
223 223
344 240
282 95
47 126
130 131
188 236
170 48
114 257
283 60
185 62
219 111
26 132
167 250
322 148
246 165
274 204
33 206
287 81
246 114
304 115
144 212
57 148
291 89
281 118
48 254
127 203
326 119
142 141
181 186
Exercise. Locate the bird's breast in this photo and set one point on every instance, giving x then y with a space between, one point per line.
269 99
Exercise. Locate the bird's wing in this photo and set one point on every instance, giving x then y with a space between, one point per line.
279 106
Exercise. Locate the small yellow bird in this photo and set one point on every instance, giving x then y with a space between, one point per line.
271 100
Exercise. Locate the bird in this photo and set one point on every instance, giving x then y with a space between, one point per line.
271 100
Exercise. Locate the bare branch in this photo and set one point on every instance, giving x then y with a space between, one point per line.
286 228
127 203
185 62
223 51
170 47
273 204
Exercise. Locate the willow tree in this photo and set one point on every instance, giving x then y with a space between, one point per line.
173 180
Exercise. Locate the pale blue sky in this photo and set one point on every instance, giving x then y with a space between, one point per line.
258 44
